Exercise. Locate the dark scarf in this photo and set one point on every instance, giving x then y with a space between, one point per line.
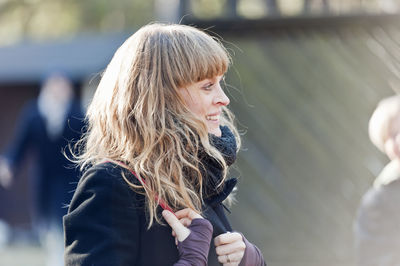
212 170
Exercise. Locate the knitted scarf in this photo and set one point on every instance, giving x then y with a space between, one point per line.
212 169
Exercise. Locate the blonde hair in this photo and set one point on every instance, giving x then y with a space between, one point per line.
381 120
137 116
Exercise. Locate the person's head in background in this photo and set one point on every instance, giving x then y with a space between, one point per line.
57 88
156 104
384 127
55 97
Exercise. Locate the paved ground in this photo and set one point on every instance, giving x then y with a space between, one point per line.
21 255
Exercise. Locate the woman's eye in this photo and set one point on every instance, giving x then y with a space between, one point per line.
208 86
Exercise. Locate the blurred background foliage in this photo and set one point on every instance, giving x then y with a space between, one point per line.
49 19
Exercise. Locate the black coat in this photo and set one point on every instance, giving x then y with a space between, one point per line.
106 224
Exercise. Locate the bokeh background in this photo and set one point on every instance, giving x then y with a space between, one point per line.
305 78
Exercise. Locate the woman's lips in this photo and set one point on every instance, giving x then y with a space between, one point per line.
213 118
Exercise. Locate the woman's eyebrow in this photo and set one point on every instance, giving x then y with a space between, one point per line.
206 81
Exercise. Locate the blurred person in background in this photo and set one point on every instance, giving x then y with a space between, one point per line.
377 225
160 136
45 127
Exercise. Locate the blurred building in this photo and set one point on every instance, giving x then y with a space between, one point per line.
22 70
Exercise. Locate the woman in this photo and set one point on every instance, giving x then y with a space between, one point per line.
159 135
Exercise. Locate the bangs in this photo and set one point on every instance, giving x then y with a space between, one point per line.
208 62
190 55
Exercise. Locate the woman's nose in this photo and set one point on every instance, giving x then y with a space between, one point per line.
221 98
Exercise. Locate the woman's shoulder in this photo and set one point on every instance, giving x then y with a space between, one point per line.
109 173
103 220
106 182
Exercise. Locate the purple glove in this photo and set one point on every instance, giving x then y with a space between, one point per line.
252 255
194 249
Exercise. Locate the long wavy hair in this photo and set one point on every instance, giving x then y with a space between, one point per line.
138 117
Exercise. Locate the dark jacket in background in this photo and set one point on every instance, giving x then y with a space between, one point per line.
54 179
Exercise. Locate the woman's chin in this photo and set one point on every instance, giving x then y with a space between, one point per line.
215 131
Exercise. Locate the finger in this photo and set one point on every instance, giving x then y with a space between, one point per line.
231 259
235 257
185 221
181 231
226 260
182 213
227 238
231 264
223 259
188 213
225 249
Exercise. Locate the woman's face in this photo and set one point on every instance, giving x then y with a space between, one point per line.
206 99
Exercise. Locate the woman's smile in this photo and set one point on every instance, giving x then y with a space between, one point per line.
203 96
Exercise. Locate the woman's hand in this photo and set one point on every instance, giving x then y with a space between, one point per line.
180 222
230 248
194 235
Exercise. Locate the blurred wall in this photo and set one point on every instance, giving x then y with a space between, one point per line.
15 203
303 97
